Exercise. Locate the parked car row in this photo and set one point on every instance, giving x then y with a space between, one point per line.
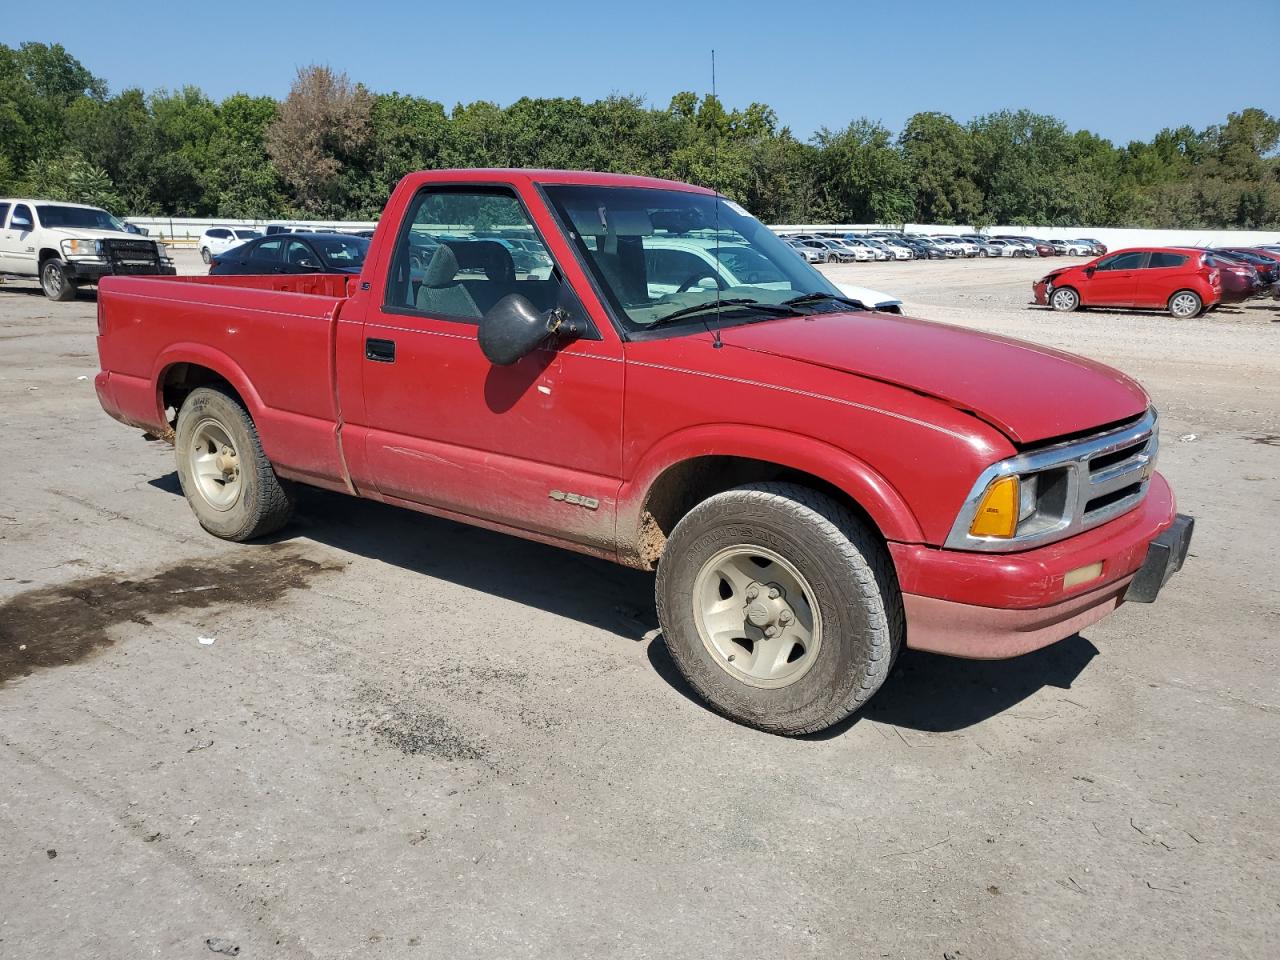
1185 281
838 247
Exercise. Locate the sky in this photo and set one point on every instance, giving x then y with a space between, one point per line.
1124 69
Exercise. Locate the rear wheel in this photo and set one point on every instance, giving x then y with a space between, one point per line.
226 477
1185 304
1064 300
779 606
205 255
56 282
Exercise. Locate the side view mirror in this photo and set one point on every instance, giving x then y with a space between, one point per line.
308 263
1090 271
19 223
513 328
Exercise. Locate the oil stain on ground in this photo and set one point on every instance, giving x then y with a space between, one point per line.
63 624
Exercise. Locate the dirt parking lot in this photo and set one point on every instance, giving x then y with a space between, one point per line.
411 738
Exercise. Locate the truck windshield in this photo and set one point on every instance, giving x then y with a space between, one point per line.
657 252
77 218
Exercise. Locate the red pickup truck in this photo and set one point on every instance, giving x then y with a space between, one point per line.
639 370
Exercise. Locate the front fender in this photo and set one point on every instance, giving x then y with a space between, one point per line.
856 478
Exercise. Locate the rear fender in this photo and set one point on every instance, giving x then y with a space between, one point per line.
205 356
299 446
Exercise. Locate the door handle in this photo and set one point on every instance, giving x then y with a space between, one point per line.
380 351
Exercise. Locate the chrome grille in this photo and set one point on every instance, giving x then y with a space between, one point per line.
1091 480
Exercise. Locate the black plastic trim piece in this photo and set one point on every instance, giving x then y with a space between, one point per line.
1165 557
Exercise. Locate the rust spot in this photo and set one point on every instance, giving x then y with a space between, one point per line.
651 540
67 623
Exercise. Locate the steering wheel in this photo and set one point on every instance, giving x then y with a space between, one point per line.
701 275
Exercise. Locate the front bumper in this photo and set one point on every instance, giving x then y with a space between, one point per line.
990 606
91 271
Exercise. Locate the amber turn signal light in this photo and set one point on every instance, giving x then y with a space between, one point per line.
997 514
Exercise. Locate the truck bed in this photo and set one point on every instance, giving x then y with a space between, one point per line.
279 330
311 284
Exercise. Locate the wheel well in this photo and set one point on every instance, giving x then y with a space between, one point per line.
181 378
684 485
48 254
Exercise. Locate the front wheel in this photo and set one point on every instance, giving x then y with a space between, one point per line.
779 606
226 477
205 255
1064 300
56 282
1185 304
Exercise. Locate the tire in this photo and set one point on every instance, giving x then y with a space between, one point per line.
56 283
844 587
982 253
1186 305
1064 300
205 255
256 502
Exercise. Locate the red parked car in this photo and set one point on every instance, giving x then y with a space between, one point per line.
817 485
1240 280
1184 282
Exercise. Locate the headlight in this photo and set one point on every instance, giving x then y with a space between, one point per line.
82 248
1045 495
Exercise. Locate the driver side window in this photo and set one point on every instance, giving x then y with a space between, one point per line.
457 255
1123 261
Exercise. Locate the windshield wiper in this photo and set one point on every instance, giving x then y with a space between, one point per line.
775 308
821 298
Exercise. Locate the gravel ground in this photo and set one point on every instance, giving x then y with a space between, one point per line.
411 738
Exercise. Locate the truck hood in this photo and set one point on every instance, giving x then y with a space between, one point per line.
82 233
1029 393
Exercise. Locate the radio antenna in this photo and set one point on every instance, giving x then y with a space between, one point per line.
715 185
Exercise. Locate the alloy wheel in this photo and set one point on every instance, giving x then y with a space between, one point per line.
757 616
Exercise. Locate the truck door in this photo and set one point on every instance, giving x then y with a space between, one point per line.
17 252
535 445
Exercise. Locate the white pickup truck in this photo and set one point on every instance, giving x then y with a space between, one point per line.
65 245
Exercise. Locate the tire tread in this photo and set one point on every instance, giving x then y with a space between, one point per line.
273 507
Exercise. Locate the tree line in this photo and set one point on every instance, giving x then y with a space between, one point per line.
333 149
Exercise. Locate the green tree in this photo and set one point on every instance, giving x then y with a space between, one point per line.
72 179
38 83
866 180
939 155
